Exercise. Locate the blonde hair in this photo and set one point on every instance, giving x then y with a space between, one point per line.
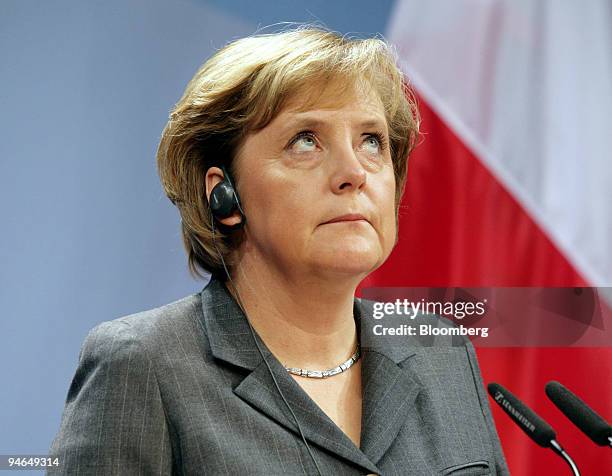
241 89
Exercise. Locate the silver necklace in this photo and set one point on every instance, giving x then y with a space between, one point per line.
344 366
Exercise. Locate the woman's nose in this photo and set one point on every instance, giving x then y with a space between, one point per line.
348 172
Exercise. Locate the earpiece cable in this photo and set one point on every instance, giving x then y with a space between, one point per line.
240 304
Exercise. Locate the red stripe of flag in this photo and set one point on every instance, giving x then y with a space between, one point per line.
460 227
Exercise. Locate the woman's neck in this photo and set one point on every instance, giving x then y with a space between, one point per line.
305 322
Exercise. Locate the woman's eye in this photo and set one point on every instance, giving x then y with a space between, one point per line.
304 142
373 144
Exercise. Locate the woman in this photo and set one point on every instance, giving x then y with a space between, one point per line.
298 141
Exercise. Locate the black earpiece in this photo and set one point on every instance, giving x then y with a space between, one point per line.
224 201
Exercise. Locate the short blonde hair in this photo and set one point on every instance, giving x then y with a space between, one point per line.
241 89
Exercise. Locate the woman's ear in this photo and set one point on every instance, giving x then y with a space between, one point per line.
214 176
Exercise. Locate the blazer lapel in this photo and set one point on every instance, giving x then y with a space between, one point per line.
231 340
259 390
389 390
388 395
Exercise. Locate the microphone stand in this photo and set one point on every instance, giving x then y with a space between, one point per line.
556 447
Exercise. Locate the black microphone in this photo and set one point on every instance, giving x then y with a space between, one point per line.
528 421
535 428
581 415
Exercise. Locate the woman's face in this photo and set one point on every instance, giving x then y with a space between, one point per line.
308 167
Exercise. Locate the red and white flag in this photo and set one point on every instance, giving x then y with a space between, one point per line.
512 183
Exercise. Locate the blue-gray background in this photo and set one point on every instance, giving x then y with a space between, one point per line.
87 233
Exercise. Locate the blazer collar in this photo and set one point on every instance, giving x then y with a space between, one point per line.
389 390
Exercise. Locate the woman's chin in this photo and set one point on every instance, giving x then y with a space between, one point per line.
349 260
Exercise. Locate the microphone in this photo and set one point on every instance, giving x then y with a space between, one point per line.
534 427
581 415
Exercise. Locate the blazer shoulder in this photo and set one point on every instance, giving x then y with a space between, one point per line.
114 419
151 325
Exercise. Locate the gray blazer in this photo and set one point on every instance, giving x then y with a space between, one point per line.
182 389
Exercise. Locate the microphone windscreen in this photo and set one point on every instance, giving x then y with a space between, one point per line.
593 425
536 428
